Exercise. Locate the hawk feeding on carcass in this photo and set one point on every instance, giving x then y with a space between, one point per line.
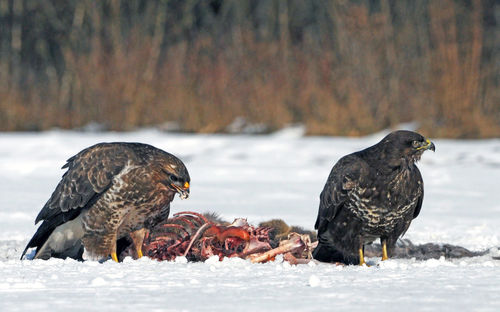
109 191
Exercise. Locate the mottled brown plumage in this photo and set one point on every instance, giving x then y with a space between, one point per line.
109 191
370 194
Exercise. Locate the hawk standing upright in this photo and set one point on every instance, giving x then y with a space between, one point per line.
109 191
370 194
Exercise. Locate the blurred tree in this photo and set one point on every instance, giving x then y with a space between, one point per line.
345 67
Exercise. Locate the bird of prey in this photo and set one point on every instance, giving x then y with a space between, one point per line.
370 194
109 191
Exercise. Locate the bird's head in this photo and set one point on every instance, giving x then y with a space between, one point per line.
406 145
177 177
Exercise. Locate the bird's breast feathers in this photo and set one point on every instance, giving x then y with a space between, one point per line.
384 203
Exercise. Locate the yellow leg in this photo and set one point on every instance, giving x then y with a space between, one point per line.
138 239
113 250
361 257
384 251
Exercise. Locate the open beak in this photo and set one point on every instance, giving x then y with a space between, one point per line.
428 146
182 190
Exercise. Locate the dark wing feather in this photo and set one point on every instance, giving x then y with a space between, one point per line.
343 178
90 174
421 198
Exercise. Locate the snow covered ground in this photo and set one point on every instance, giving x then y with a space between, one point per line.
258 177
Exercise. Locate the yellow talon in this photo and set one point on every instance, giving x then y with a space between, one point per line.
361 257
384 251
139 254
114 257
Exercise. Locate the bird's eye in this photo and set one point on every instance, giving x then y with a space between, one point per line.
174 178
415 144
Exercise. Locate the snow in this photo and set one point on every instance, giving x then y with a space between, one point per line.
258 177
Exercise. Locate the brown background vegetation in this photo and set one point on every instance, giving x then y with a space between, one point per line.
339 67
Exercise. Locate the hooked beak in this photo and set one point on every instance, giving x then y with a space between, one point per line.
182 190
428 146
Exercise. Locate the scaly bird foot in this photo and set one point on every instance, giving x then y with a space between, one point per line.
138 239
361 257
384 251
